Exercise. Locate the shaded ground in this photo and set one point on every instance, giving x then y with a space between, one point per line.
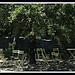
39 66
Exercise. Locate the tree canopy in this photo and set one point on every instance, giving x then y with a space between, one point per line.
49 21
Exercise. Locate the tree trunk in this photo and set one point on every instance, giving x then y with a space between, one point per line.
16 37
32 46
16 45
32 41
32 49
47 36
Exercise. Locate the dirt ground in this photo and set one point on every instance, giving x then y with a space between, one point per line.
39 66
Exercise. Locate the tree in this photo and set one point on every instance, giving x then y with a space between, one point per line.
48 21
29 13
61 21
4 25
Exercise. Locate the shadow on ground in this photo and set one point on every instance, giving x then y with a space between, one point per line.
40 66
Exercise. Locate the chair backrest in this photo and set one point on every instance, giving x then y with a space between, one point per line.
21 52
55 53
56 49
15 51
18 53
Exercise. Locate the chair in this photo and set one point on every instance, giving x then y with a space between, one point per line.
55 53
38 53
2 58
18 56
41 54
15 55
56 57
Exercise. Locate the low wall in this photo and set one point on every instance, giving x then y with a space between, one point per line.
24 43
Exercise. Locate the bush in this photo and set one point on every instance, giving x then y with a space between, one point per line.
8 51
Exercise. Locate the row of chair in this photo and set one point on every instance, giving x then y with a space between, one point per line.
54 54
18 54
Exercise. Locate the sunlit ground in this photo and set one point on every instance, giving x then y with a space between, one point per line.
40 65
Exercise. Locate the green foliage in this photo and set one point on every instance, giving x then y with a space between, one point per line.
31 33
50 21
61 23
8 51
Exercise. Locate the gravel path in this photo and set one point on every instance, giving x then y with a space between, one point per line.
39 66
